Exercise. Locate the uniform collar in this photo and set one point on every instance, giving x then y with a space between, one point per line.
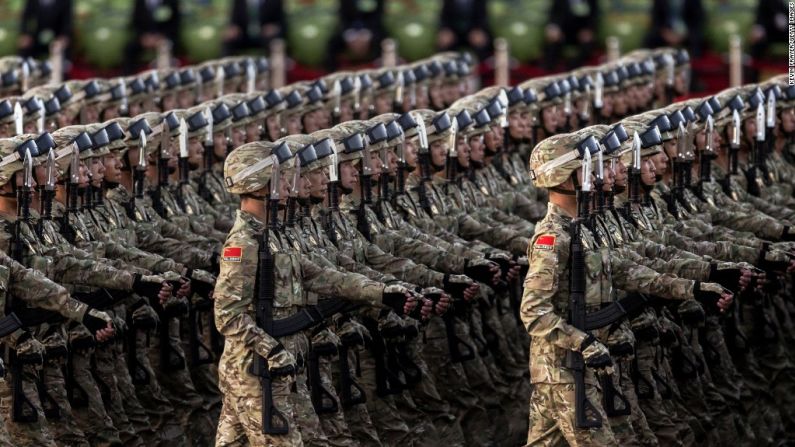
251 220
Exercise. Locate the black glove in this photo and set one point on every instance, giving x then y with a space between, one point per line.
479 271
395 297
146 288
453 285
767 265
595 354
93 321
786 235
728 278
708 295
280 362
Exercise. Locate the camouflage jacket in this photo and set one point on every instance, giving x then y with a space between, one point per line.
546 291
234 297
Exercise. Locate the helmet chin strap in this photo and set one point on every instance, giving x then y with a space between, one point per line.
568 192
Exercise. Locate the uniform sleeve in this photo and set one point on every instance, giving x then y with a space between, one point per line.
233 298
548 256
48 296
633 277
349 286
186 254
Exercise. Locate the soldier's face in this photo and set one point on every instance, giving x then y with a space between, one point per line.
195 152
788 120
410 152
5 130
91 113
323 118
383 103
620 104
436 97
609 178
392 161
749 129
274 129
97 172
285 180
318 180
438 152
680 82
293 124
186 99
549 119
83 175
620 174
239 136
463 152
660 162
648 173
476 148
309 123
31 127
346 110
669 147
451 92
579 173
252 132
20 179
491 140
112 166
607 105
422 99
349 175
304 186
219 144
168 102
375 164
517 126
110 113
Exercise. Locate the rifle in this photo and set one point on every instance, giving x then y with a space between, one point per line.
424 159
209 157
273 420
574 359
333 196
162 169
752 174
184 169
351 393
323 401
81 143
23 199
634 178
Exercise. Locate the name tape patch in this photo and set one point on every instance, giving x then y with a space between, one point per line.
232 254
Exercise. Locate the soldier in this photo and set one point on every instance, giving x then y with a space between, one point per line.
251 170
555 164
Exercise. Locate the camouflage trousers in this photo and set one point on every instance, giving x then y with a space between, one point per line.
90 415
452 383
25 434
150 394
179 389
552 420
240 423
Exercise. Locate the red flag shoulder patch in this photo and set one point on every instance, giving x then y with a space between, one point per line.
545 242
232 254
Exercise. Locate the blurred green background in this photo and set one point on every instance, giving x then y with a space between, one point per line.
101 26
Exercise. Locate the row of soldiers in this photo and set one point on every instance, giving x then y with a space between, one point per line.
436 216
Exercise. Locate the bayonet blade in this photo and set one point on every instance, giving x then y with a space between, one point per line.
183 138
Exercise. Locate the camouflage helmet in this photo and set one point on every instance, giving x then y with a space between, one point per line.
65 139
438 125
554 160
249 168
351 142
326 142
151 124
12 155
100 140
115 129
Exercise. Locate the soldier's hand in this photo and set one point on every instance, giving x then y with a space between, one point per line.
105 333
443 305
513 272
460 287
280 361
427 308
148 286
184 289
726 275
596 355
483 270
746 278
712 296
165 293
399 298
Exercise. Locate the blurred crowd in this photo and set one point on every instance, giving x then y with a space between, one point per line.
462 24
